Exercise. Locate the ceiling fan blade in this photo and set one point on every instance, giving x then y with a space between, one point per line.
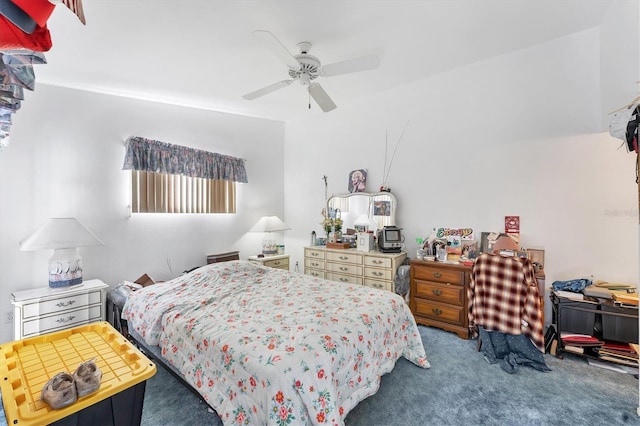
361 63
320 96
266 90
278 49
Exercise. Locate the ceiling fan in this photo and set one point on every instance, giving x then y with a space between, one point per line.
305 68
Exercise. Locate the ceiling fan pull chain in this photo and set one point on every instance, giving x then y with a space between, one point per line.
309 95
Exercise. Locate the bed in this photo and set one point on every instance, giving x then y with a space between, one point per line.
267 346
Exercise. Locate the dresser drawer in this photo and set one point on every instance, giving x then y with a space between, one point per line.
32 310
440 311
354 258
277 263
441 275
314 254
444 293
313 263
344 268
62 320
315 273
376 261
380 285
378 274
351 279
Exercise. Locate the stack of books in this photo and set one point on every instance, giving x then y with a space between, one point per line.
580 343
622 353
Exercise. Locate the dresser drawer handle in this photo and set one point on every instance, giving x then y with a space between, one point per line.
437 292
277 262
315 274
436 311
344 280
378 285
437 274
65 304
377 274
343 268
343 257
377 262
315 254
64 320
315 264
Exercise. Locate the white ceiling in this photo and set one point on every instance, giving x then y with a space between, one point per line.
202 53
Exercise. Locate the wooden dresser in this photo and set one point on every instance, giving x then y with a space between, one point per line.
372 269
438 295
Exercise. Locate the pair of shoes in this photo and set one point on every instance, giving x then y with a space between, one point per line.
64 389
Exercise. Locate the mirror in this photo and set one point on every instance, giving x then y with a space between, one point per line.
363 209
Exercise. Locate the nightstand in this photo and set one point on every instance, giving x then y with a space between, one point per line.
43 310
279 261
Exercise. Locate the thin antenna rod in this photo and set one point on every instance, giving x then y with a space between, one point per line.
386 140
394 151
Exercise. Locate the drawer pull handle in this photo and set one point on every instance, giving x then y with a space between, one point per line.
64 320
377 274
437 292
378 286
342 268
343 257
437 274
277 262
315 254
436 311
65 304
377 262
314 264
344 280
315 274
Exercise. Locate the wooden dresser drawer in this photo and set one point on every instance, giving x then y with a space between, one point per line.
351 279
378 274
314 253
318 273
380 285
433 273
444 293
344 268
440 311
377 261
313 263
347 257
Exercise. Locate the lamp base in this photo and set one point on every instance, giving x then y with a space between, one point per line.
65 268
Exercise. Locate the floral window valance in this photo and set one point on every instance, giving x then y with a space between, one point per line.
161 157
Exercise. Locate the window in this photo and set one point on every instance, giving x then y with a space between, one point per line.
164 193
169 178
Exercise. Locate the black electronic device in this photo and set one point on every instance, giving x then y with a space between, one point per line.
390 239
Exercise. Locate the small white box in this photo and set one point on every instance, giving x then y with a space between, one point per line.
365 242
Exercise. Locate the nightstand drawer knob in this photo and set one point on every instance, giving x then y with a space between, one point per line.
437 292
436 311
437 274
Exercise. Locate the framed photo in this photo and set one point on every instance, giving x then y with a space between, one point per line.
382 208
522 254
357 180
536 256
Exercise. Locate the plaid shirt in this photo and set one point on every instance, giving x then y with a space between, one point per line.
503 296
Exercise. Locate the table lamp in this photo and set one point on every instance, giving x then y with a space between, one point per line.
63 235
267 225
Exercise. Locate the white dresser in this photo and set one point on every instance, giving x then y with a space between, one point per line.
43 310
372 269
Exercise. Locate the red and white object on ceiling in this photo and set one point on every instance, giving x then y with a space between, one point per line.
23 38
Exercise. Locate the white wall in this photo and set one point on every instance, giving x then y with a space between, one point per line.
520 134
65 159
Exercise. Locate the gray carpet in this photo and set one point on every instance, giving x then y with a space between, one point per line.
459 388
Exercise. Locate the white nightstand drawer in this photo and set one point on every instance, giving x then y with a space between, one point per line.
62 321
70 302
277 263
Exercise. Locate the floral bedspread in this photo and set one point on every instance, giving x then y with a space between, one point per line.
266 346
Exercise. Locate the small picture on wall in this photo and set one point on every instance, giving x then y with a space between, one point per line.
382 208
357 180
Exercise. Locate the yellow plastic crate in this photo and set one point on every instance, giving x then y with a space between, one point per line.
26 365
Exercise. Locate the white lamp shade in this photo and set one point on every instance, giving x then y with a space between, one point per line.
60 233
269 224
